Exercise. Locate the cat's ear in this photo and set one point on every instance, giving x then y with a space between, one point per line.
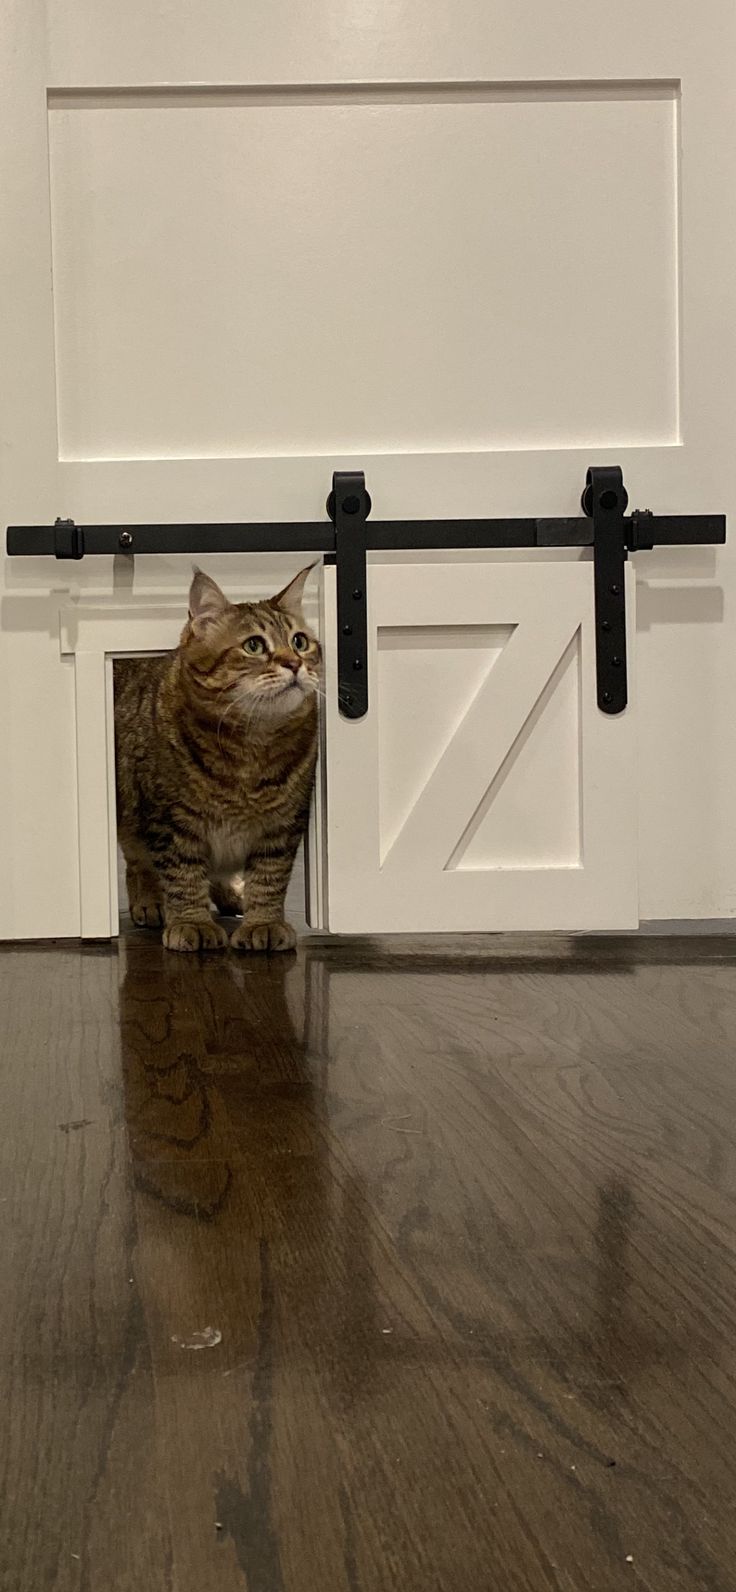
206 601
290 599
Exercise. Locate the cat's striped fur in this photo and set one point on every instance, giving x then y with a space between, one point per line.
215 754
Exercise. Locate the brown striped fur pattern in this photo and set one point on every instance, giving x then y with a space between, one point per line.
215 754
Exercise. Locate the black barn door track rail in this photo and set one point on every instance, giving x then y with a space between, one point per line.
348 534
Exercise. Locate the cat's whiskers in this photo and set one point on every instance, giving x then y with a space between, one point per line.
221 721
248 710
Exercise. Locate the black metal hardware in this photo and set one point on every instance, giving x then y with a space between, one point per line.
605 499
640 535
330 504
43 541
68 539
586 500
348 534
351 506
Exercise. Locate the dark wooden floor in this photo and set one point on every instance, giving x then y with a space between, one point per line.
374 1269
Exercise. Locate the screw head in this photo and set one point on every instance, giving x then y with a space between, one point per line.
347 630
607 698
357 663
357 594
606 625
350 505
125 539
617 662
608 499
615 591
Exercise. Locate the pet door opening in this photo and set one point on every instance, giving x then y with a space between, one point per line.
271 702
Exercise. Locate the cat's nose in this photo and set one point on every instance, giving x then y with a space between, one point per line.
288 661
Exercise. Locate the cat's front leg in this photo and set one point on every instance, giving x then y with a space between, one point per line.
143 886
267 874
188 924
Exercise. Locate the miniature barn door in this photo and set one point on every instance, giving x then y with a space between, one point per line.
484 789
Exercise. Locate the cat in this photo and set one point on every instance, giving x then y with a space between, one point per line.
215 747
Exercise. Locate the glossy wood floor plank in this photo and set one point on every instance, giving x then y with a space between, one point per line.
433 1261
83 1504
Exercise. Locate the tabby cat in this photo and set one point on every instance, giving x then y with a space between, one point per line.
215 754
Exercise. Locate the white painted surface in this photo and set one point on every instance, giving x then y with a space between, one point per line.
499 798
93 702
434 317
518 460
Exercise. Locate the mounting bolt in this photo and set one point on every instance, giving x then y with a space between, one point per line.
616 662
607 698
615 591
606 625
347 630
357 594
357 663
125 539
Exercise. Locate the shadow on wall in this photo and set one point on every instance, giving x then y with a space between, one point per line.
678 605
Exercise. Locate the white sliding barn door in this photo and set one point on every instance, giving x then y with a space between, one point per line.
469 246
484 789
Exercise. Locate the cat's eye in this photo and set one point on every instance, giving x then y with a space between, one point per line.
255 644
300 642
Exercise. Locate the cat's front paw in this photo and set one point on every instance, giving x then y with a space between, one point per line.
264 937
146 912
202 936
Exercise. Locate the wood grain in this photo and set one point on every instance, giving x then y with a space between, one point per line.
432 1257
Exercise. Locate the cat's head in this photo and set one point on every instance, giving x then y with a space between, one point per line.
258 660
